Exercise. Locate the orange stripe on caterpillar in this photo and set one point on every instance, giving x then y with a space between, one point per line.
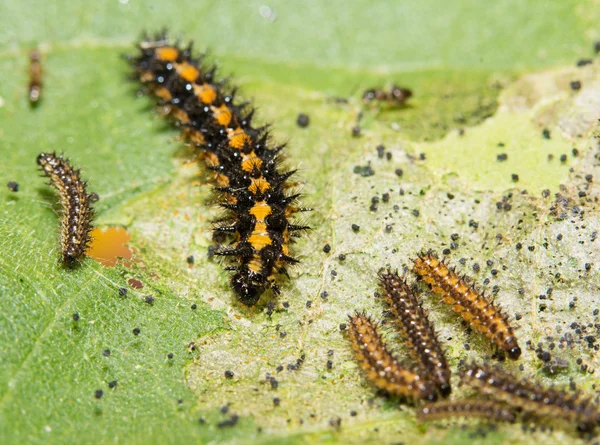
77 210
206 93
471 304
485 409
251 162
417 329
187 71
258 185
222 114
167 53
381 367
238 139
536 400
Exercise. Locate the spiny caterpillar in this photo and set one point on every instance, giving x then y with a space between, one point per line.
35 76
471 304
417 329
77 211
533 398
381 367
485 409
254 191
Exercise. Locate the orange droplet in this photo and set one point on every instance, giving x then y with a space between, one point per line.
109 245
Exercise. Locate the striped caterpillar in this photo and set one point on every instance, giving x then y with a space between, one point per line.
471 304
484 409
77 208
532 398
381 367
253 190
417 329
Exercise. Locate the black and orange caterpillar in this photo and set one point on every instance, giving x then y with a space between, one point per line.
246 167
470 303
417 329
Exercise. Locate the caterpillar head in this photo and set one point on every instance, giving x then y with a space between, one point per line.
512 348
249 286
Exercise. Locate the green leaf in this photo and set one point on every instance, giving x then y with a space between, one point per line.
487 80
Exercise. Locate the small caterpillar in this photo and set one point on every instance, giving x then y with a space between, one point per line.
35 77
417 329
77 210
381 367
396 96
472 305
245 166
485 409
533 398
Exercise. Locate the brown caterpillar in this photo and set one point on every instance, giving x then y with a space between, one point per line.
381 367
531 397
483 409
35 76
396 96
77 210
417 329
471 304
